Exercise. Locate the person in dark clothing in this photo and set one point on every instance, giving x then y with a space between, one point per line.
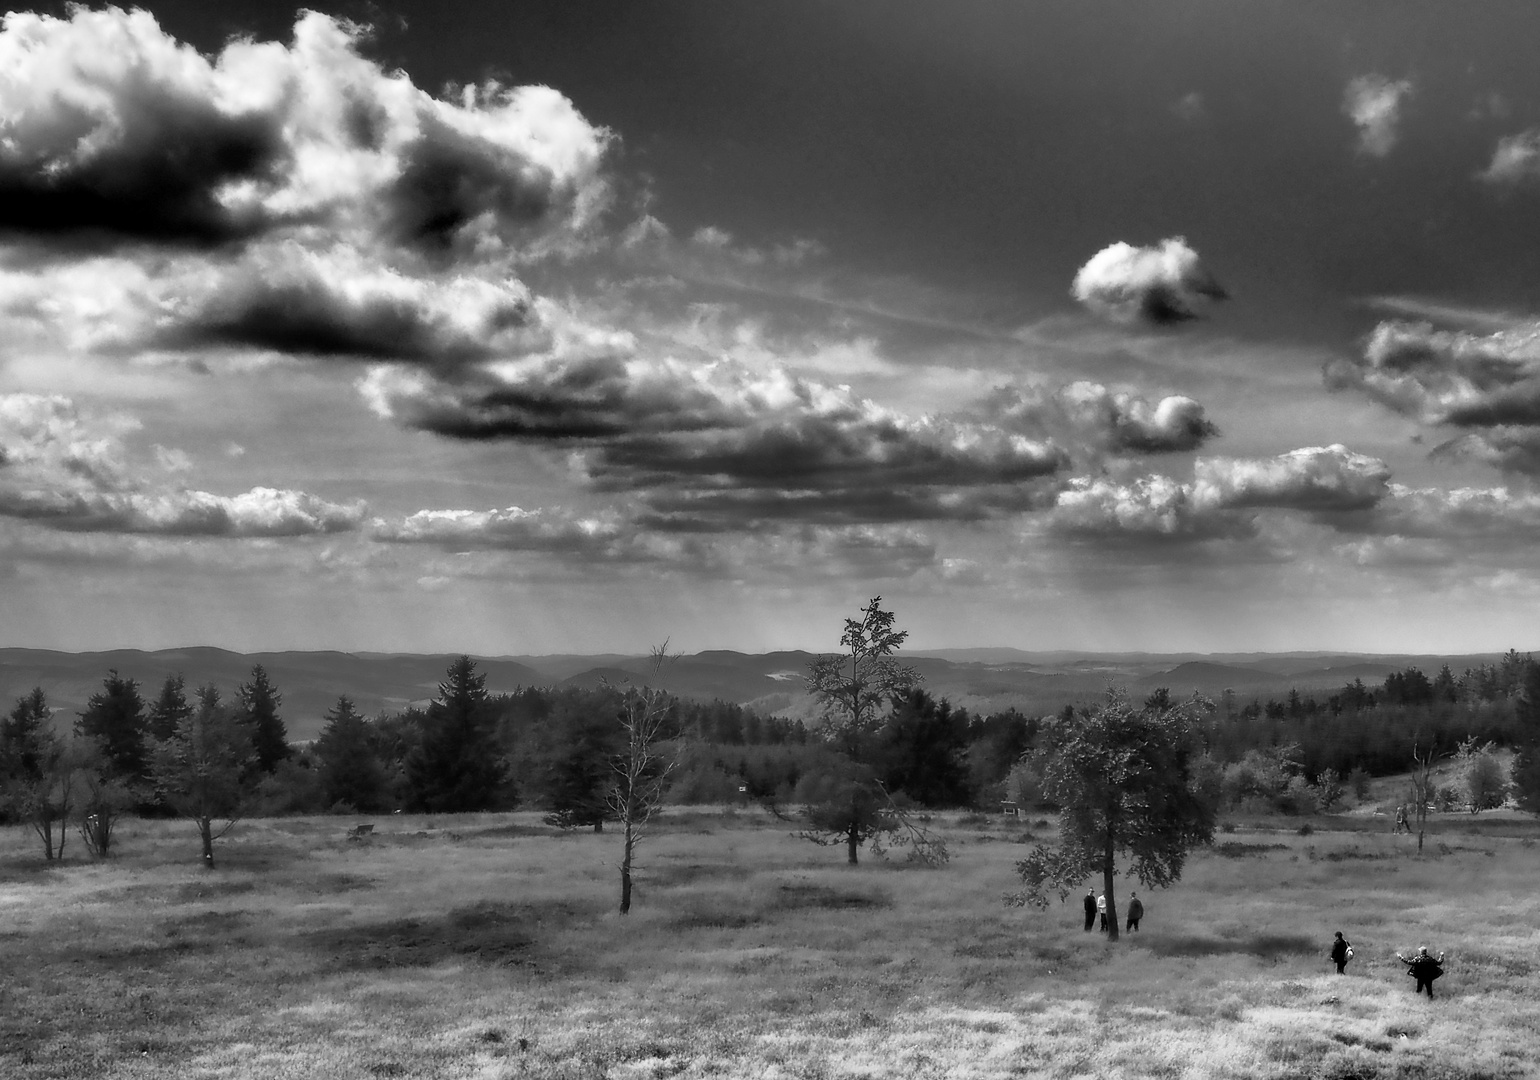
1135 911
1341 952
1090 909
1424 969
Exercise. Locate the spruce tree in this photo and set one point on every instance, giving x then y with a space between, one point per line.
457 767
351 772
115 718
259 701
170 709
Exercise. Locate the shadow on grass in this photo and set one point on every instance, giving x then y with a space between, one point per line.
732 912
1266 946
493 933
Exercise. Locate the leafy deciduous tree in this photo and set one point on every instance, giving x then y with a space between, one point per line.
204 772
1123 779
854 686
36 771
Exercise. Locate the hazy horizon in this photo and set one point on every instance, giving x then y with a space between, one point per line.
1179 328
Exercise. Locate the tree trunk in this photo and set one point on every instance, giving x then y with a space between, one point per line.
599 825
625 871
1109 865
206 831
851 842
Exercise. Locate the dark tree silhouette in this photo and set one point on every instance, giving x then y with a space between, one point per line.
259 700
170 708
36 772
351 773
457 767
854 686
115 719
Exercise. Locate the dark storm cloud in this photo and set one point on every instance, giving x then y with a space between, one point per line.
1454 378
721 439
296 302
1162 285
113 127
1119 422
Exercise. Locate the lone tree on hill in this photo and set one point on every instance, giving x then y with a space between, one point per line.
458 766
259 700
854 686
1123 778
204 772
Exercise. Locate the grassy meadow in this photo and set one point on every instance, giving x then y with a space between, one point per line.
489 946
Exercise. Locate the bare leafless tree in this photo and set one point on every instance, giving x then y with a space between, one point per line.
642 770
1422 788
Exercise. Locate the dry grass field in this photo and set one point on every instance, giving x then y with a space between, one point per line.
489 947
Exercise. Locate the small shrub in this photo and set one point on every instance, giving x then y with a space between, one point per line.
1307 829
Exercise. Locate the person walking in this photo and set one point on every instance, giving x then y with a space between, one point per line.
1341 952
1423 968
1135 911
1101 909
1090 909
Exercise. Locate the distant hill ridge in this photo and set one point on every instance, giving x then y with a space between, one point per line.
978 679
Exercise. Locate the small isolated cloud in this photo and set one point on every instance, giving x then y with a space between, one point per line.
1190 107
1118 422
512 529
68 471
114 129
172 460
1373 103
1317 479
1162 285
1515 160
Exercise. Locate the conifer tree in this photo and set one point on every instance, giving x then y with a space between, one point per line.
170 709
115 718
259 701
351 773
457 767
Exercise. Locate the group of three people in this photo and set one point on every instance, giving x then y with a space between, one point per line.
1097 906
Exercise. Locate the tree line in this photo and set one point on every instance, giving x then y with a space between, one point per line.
885 745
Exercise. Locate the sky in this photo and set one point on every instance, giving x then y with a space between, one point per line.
523 328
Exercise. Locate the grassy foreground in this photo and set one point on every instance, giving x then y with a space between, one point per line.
487 946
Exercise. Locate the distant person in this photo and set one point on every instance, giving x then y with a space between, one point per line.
1135 911
1090 909
1341 952
1400 819
1423 968
1101 909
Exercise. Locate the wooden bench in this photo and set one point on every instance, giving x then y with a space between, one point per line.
360 832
